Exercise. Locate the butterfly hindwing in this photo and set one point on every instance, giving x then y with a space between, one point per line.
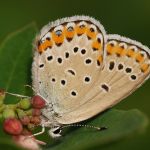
126 67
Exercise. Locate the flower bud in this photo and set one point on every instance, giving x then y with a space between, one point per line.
28 112
20 113
9 113
29 143
24 103
12 106
2 108
26 132
12 126
1 116
36 112
25 120
35 120
38 102
30 126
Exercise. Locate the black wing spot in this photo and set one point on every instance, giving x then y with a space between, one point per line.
59 60
48 38
63 82
128 70
67 54
99 40
82 26
83 51
88 61
105 87
120 66
73 93
69 39
87 79
70 29
41 66
72 72
53 80
75 49
49 58
92 30
98 63
58 32
133 77
111 65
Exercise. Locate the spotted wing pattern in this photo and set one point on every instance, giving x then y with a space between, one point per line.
126 67
68 60
81 71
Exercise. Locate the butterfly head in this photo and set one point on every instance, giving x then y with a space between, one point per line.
55 132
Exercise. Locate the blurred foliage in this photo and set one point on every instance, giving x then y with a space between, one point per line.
128 18
119 123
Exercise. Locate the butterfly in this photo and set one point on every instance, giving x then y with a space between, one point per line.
81 71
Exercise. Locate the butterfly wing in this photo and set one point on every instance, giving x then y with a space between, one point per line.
126 67
68 61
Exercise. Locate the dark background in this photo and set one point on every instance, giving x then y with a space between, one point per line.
129 18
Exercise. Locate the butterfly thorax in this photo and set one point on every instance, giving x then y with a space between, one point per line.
48 116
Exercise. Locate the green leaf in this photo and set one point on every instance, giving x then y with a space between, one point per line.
8 145
120 124
16 60
15 66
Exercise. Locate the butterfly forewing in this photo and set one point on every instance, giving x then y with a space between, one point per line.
126 67
68 61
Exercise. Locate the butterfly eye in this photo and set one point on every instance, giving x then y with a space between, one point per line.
57 131
58 32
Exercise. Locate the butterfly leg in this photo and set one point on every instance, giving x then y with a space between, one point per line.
39 133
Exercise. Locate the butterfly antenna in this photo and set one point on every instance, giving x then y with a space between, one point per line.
30 87
85 126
